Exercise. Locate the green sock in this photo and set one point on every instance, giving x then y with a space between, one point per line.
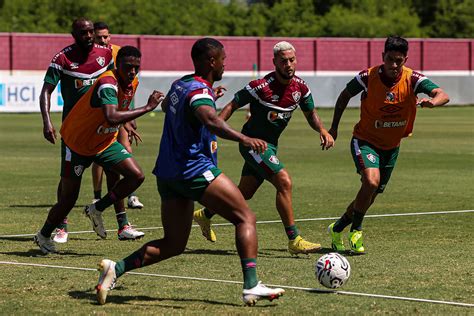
122 219
47 229
249 268
342 223
109 199
357 221
132 262
292 232
63 224
97 194
208 213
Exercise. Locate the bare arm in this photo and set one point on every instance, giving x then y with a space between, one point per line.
339 108
315 122
216 125
438 98
115 117
45 105
228 110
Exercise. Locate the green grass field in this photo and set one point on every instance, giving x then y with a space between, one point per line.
422 256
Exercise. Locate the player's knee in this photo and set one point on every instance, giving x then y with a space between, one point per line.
372 183
284 183
249 217
139 177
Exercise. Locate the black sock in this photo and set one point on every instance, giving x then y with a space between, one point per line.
208 213
97 194
47 229
109 199
342 223
357 221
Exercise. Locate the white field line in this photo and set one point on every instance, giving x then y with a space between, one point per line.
269 222
412 299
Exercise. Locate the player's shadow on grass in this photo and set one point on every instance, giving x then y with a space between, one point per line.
217 252
18 238
31 205
38 253
281 253
126 299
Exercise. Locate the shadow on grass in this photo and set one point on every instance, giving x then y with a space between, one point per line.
38 253
218 252
125 299
31 205
19 238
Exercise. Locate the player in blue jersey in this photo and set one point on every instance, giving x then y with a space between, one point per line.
186 171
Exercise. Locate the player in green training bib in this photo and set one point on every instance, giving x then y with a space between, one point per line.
272 99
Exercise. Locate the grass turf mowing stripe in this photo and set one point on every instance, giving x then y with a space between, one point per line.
270 222
323 291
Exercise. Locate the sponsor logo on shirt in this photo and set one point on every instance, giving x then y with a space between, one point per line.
101 130
74 65
79 83
272 116
390 108
275 98
392 124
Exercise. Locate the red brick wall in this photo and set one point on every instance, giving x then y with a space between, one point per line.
4 51
172 53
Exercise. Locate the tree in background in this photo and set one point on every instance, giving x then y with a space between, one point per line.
373 18
302 18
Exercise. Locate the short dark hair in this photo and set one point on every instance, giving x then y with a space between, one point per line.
77 21
100 26
202 48
128 51
396 43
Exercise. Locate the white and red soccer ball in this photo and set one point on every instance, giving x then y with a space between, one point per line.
332 270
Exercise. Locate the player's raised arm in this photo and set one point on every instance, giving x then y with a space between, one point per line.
49 131
228 110
438 98
115 117
339 108
216 125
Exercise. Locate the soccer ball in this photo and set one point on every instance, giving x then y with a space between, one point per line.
332 270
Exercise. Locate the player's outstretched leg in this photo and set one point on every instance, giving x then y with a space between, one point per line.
223 197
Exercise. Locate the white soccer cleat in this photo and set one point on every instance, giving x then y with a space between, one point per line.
260 292
46 244
134 203
107 280
96 219
61 236
129 233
